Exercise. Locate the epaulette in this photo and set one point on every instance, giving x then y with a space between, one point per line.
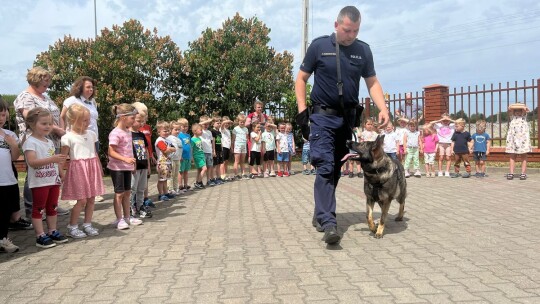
324 36
361 42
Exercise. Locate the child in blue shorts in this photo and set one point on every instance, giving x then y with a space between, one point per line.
282 151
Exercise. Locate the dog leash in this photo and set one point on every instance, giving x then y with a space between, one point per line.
340 92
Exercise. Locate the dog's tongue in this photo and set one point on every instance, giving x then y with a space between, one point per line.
347 156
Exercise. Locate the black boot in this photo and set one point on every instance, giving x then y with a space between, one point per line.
331 235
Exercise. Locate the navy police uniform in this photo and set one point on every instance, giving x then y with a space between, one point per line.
329 131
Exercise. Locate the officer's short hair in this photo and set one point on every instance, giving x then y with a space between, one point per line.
350 12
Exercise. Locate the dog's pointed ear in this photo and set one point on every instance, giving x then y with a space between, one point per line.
379 141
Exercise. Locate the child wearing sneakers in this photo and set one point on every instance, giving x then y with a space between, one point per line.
411 144
176 156
84 169
268 149
255 155
198 155
218 150
282 151
461 147
139 178
185 164
445 128
164 149
122 163
481 147
9 187
306 159
292 146
428 145
208 146
240 136
146 129
225 146
44 176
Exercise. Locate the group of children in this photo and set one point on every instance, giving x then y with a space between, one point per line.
130 159
449 139
211 150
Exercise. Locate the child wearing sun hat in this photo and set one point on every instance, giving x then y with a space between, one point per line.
445 128
518 140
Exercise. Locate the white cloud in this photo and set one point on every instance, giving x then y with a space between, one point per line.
415 43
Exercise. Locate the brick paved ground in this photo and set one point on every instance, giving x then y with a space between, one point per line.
462 241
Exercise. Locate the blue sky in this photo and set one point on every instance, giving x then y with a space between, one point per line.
415 43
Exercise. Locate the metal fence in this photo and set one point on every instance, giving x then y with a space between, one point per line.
487 102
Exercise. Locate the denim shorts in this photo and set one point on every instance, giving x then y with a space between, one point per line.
283 157
209 160
479 156
305 156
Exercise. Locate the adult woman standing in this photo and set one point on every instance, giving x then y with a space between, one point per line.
34 96
83 92
257 115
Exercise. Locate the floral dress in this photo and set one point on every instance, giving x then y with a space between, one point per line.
518 139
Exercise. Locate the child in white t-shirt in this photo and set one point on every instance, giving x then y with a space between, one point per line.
269 149
283 154
239 140
255 156
44 176
391 141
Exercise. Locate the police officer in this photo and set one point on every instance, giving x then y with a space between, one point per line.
332 116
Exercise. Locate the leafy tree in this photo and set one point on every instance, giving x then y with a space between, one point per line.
229 68
459 114
130 64
476 117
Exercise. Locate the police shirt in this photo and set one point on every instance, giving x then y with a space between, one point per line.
356 61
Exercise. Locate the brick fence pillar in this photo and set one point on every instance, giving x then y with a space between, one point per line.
435 101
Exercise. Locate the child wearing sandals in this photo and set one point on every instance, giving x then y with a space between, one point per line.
518 140
84 169
122 164
44 176
429 142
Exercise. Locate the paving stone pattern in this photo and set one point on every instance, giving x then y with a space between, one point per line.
251 241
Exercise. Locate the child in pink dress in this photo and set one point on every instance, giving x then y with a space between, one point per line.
84 169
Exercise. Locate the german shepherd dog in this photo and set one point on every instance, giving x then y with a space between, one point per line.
384 180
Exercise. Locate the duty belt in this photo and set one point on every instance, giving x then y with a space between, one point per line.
325 110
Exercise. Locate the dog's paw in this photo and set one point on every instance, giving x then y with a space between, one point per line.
378 235
399 219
